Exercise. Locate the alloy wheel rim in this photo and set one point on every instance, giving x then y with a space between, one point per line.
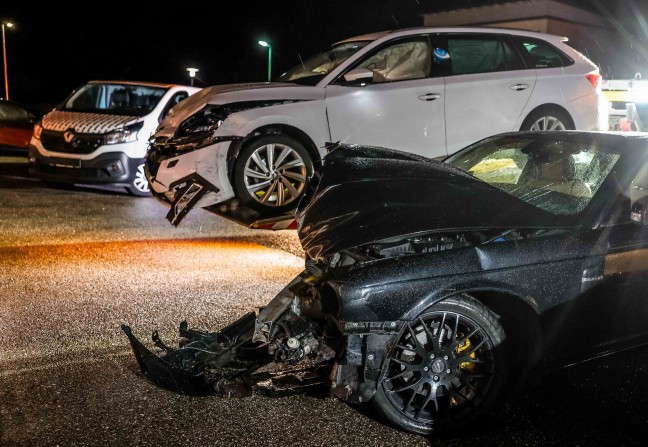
548 123
441 368
140 182
275 175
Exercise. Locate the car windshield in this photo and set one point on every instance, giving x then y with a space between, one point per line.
557 175
115 99
316 67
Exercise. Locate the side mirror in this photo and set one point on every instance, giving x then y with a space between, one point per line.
639 212
358 76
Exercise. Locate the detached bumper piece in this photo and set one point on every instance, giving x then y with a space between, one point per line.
205 362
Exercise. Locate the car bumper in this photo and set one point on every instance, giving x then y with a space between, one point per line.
107 168
197 178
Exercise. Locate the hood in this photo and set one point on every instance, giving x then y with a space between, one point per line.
235 93
83 122
367 194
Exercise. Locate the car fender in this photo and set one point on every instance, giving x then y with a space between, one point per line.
307 116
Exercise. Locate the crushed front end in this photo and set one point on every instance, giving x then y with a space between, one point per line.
293 343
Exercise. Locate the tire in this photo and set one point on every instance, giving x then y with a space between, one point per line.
548 118
267 163
447 367
139 185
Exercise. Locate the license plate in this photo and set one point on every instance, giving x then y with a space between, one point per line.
65 162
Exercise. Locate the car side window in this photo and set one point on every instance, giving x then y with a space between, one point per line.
402 60
481 54
543 54
175 99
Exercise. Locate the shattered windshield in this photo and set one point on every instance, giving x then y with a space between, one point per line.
117 99
316 67
556 175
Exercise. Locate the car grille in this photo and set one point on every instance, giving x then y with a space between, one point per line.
83 143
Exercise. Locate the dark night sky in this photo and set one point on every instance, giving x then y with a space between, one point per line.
57 47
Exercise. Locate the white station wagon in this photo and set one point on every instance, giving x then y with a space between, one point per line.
429 91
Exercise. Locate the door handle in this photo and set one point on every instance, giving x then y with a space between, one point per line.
519 87
429 96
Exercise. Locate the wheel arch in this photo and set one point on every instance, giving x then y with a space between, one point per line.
272 129
546 108
521 323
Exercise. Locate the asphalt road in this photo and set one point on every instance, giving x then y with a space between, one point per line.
76 263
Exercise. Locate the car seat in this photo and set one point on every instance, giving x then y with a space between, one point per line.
119 99
556 172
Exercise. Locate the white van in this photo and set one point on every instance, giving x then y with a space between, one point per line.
100 133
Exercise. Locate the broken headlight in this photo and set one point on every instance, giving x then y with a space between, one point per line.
198 130
123 135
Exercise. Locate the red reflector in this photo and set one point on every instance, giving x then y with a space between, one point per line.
594 79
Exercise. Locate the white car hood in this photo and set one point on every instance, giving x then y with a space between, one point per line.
83 122
235 93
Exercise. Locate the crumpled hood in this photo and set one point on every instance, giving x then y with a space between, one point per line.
235 93
84 122
367 194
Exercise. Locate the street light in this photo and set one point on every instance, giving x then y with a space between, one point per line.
263 43
192 74
4 56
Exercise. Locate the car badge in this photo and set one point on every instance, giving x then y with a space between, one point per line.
69 136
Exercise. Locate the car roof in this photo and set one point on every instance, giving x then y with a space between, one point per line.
453 29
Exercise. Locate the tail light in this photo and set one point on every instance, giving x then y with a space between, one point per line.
595 80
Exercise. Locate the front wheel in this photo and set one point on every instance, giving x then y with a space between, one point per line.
447 367
271 173
139 185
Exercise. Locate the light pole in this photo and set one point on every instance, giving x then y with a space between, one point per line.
263 43
4 56
192 74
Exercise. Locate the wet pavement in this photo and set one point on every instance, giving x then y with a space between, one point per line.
76 263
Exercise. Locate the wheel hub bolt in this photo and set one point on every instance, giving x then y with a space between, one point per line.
436 378
445 357
426 369
448 371
431 356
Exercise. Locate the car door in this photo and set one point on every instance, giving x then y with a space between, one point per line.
401 107
487 87
611 312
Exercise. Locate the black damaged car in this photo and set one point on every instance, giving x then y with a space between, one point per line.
431 288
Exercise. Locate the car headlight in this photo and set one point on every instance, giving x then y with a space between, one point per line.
123 135
198 130
38 130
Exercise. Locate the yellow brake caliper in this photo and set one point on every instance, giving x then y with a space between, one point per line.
466 366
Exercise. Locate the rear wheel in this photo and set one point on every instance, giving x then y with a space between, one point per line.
271 173
447 367
139 185
547 119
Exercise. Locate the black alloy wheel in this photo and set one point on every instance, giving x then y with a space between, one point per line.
446 367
